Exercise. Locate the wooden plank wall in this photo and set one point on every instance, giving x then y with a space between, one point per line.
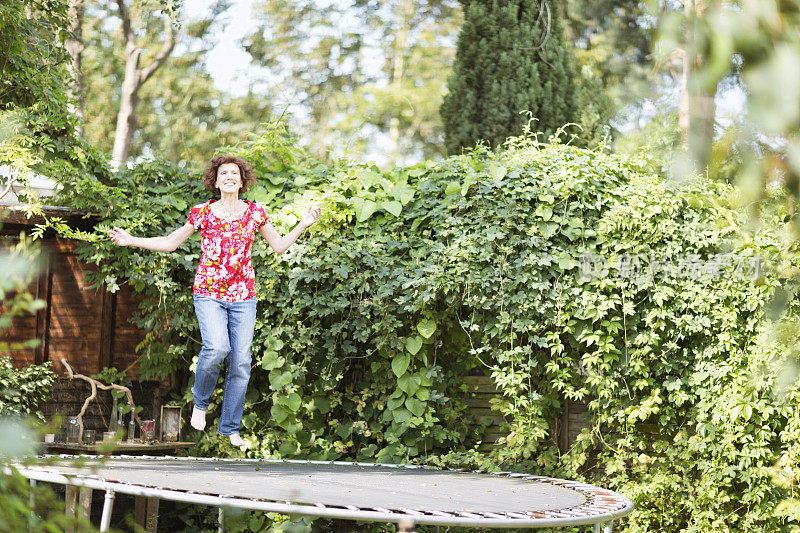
88 327
481 390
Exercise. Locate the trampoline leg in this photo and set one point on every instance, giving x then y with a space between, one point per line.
221 515
596 528
405 526
607 529
32 505
105 521
85 498
70 495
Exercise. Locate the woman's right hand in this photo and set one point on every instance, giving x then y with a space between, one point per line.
120 237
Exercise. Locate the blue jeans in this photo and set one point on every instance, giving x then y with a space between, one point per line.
226 329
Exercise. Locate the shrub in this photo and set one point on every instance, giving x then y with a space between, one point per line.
23 391
563 273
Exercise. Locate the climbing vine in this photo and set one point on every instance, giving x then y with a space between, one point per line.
564 274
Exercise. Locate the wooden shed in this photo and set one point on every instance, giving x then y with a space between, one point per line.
86 326
89 327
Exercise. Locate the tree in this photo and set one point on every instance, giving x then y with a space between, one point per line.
36 126
403 105
32 55
370 74
614 38
75 46
697 109
136 76
183 117
511 59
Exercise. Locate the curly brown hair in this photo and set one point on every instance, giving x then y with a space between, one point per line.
245 169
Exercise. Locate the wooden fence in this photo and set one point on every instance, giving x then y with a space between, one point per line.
480 391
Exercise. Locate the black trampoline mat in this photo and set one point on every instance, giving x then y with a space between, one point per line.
339 485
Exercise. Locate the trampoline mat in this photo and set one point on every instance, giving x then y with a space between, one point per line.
340 485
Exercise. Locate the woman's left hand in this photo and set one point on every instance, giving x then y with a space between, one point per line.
311 215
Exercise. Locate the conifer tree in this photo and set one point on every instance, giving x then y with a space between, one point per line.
510 59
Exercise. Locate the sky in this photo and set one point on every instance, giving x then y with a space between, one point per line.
228 63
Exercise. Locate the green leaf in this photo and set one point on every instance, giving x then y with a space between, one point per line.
279 413
452 188
408 383
322 404
497 172
364 208
545 212
400 364
415 406
413 344
394 403
288 447
392 207
426 327
270 360
278 379
547 198
293 401
400 415
403 193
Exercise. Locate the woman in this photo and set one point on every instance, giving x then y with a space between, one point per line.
224 284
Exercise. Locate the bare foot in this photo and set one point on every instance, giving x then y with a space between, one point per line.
237 440
198 419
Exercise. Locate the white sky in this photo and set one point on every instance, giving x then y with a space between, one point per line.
228 63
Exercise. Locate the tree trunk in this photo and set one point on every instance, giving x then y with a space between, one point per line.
126 117
404 13
135 77
697 107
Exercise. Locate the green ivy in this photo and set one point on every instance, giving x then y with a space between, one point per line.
416 276
23 391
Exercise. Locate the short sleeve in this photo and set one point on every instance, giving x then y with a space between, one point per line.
260 215
196 216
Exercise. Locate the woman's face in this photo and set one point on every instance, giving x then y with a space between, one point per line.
229 178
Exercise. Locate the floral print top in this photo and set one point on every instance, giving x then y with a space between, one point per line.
226 271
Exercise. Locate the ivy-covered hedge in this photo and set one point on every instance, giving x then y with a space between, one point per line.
561 272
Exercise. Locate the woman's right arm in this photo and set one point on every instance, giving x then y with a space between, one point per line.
160 244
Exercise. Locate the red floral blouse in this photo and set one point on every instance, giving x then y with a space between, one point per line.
226 271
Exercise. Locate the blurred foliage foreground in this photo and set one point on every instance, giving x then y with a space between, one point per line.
561 272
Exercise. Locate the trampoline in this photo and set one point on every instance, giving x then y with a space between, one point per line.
406 495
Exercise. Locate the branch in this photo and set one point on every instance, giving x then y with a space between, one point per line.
161 56
8 187
127 31
95 384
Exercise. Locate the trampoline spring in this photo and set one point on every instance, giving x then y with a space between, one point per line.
439 513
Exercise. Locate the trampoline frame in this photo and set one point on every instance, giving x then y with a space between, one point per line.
606 505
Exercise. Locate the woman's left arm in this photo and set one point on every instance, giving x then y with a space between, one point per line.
281 244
